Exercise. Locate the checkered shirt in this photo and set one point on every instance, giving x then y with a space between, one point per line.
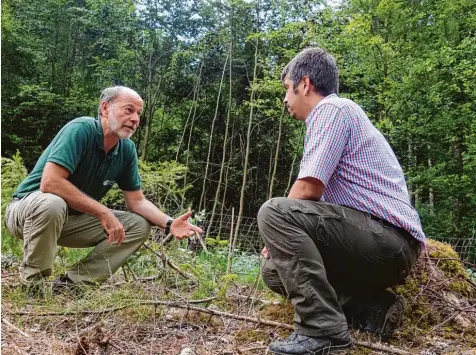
351 157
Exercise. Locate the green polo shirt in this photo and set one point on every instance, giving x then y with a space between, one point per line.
79 147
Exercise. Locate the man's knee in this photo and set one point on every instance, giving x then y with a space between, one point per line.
271 278
270 209
50 206
141 227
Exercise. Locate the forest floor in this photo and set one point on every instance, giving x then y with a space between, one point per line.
151 309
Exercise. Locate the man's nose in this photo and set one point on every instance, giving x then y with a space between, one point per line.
135 118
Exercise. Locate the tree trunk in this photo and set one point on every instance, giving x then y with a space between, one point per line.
225 139
276 155
190 136
195 90
291 171
202 197
431 196
248 133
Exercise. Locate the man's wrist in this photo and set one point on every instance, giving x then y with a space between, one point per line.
167 226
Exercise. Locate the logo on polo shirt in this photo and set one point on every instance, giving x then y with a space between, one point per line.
109 182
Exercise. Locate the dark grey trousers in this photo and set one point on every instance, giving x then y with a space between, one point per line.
325 257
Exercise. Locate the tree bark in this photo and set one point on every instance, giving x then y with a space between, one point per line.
248 133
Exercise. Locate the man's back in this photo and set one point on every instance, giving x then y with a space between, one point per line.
356 163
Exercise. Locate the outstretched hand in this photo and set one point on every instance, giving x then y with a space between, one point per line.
180 228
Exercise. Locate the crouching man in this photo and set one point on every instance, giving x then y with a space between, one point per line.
57 204
347 230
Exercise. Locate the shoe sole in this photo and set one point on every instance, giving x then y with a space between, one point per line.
393 318
335 349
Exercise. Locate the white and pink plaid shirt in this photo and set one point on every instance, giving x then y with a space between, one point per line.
351 157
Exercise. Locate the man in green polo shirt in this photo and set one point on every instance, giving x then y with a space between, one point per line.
57 204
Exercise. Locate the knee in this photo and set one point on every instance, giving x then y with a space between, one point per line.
50 206
141 227
269 209
271 278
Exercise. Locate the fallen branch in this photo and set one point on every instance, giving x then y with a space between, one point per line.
381 347
114 309
187 306
254 348
15 328
164 258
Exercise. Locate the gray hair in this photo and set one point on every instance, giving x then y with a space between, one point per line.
109 94
317 64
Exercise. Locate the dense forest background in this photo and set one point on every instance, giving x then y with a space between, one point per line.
209 75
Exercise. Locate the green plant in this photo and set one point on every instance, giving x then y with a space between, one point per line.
13 173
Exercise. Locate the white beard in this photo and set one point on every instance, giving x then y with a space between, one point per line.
116 126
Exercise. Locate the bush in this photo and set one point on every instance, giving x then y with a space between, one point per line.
159 184
13 172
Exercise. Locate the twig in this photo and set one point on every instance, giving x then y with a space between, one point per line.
382 347
131 271
187 306
202 242
164 258
15 328
113 309
230 244
244 350
124 273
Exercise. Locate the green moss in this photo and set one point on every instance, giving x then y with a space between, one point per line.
252 335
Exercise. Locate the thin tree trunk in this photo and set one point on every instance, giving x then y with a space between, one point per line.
431 197
410 164
278 143
190 139
292 165
151 103
148 125
191 109
415 188
225 187
202 197
227 125
248 133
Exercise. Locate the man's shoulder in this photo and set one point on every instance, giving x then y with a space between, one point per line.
338 102
83 121
127 145
81 124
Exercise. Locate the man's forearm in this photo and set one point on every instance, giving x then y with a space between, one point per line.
151 212
307 189
74 197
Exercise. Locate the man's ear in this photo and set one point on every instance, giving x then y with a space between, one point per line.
104 108
307 85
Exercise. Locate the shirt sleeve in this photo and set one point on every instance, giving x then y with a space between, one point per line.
326 138
69 146
130 178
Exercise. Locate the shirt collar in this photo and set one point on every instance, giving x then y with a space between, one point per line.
100 139
311 114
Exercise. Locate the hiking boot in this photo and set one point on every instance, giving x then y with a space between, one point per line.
384 317
35 286
297 344
63 285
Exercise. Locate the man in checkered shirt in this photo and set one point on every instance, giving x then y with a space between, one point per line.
347 230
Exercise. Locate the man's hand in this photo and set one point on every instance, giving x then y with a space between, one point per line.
113 228
265 253
180 228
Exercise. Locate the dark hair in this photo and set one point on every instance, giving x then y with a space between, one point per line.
317 64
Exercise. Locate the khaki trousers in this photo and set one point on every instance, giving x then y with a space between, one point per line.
41 220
